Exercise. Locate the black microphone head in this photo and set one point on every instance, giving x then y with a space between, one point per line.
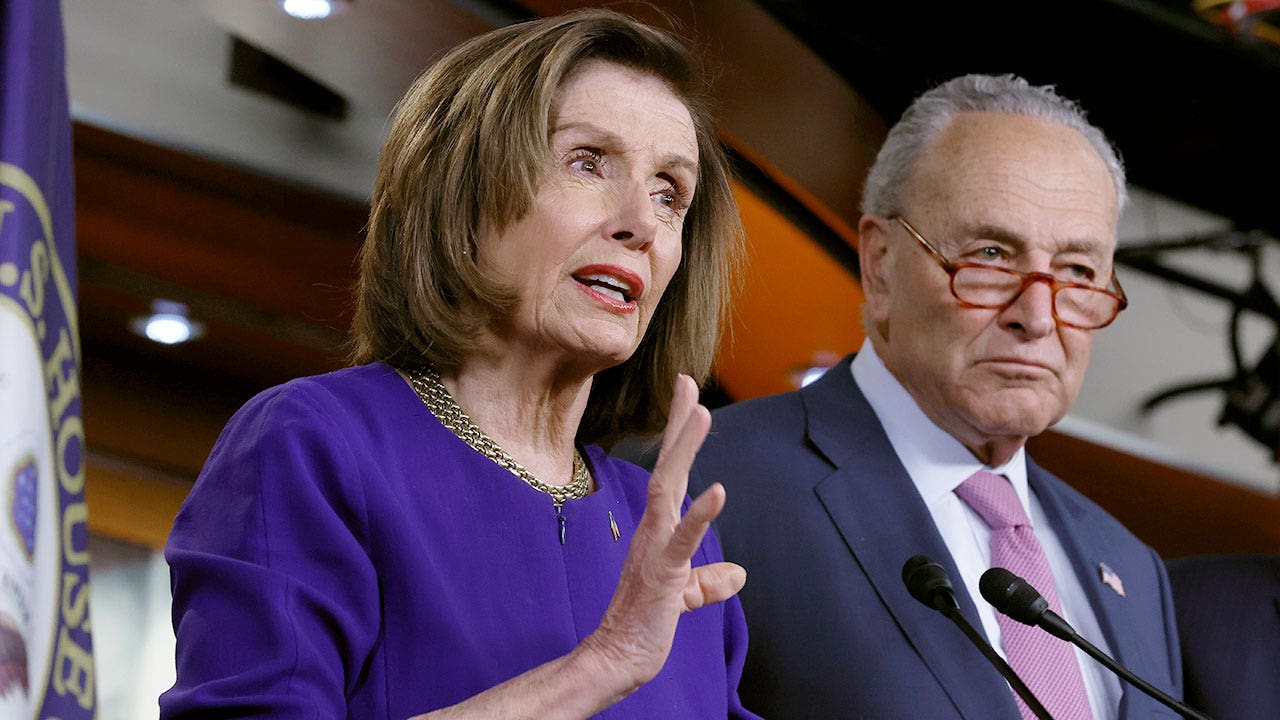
927 582
1012 596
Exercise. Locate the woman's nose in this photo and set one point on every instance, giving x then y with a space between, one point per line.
633 220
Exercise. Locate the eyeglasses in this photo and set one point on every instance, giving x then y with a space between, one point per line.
977 285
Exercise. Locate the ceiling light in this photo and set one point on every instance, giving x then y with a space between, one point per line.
312 9
167 324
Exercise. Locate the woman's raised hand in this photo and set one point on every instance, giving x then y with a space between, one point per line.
656 586
658 582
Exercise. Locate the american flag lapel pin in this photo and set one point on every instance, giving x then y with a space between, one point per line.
1110 578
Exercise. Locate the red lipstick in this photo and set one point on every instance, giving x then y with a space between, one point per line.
611 285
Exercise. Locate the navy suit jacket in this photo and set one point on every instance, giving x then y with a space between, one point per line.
1229 622
822 515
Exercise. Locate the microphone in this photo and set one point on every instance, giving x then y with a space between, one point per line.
1015 597
927 582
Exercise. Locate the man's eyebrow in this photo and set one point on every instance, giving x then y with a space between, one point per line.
997 233
1018 241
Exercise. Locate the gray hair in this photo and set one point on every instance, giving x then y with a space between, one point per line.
933 111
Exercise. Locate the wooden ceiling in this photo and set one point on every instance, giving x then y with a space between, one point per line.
265 264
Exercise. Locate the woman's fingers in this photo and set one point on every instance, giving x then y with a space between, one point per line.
693 526
684 409
683 398
713 583
687 426
677 457
658 581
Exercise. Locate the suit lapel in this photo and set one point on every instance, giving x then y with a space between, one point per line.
884 521
1086 538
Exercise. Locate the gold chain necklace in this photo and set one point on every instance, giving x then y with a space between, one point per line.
426 383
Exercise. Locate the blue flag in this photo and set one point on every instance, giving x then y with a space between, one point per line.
46 659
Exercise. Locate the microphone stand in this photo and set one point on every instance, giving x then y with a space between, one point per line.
1146 687
928 583
1016 598
1014 681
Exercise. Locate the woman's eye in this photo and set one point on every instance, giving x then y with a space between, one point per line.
672 193
588 161
672 200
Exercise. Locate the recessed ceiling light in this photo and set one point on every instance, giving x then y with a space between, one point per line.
312 9
167 324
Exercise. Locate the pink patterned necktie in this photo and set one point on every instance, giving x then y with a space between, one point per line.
1046 664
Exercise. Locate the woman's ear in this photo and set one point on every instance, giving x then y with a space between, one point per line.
875 263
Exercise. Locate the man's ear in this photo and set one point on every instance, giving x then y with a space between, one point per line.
875 263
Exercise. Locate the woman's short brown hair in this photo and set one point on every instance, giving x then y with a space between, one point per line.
468 148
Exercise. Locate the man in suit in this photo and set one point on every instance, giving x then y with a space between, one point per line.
986 249
1229 622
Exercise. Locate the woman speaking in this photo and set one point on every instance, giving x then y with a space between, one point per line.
436 530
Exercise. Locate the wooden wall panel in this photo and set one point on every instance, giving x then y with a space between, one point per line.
130 502
1175 511
797 307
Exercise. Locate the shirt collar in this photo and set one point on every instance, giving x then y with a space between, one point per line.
936 462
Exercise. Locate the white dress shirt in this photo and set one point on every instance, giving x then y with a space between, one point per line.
937 464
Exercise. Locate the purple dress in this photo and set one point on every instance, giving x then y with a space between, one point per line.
344 555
